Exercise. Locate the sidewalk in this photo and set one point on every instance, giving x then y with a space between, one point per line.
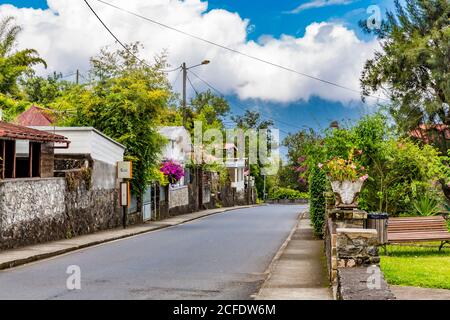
415 293
298 271
16 257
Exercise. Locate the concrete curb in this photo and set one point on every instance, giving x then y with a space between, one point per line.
21 261
279 253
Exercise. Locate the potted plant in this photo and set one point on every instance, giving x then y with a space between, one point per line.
347 178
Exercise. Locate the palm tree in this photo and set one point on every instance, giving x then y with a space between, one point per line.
14 64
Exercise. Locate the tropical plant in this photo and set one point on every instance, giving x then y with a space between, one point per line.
14 64
426 206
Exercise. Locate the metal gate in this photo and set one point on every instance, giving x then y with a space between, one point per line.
147 204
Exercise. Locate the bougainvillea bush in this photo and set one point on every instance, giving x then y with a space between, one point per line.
172 170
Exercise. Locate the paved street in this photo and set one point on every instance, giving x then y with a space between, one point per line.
223 256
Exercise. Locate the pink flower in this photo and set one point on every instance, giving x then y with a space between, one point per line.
364 177
320 165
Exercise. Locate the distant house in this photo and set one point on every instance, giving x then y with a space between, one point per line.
178 149
437 134
35 116
235 166
179 146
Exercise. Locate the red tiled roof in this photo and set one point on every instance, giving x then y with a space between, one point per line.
34 116
425 132
16 132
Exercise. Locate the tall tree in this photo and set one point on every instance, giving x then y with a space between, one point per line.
413 66
42 90
123 103
14 64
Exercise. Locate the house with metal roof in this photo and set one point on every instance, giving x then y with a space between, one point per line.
27 152
35 116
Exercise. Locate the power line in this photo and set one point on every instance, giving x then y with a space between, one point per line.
120 42
176 78
236 51
190 82
240 107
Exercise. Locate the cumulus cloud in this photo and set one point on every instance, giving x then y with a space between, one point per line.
319 4
67 34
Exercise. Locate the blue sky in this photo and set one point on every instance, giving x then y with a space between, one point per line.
270 17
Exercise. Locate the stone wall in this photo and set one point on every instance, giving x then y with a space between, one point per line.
40 210
356 247
362 284
178 197
352 255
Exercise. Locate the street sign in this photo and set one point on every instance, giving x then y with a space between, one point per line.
124 194
124 170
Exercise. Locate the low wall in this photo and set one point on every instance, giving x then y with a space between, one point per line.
39 210
178 197
362 284
352 255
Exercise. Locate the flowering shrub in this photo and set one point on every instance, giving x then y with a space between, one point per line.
339 169
173 171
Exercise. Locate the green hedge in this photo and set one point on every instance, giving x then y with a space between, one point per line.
279 193
317 187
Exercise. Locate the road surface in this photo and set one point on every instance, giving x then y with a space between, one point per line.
222 256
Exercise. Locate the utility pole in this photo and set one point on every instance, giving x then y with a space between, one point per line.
78 77
183 66
184 103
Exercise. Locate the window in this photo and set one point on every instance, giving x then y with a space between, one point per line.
19 159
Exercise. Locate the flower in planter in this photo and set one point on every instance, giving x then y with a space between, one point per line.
347 178
172 170
339 169
364 177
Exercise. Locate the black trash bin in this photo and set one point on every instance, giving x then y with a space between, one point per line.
378 221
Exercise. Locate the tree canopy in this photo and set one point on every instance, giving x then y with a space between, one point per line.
14 64
413 66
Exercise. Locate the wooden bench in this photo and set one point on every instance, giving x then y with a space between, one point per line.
415 229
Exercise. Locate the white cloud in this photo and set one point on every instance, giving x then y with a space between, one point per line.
67 34
319 4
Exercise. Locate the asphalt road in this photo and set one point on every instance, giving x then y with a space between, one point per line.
222 256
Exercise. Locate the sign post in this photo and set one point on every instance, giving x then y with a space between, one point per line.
124 171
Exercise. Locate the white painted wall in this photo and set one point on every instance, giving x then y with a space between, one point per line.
87 140
179 144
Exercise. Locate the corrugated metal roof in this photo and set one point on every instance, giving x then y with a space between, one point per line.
16 132
35 116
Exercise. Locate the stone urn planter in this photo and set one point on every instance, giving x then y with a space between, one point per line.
346 192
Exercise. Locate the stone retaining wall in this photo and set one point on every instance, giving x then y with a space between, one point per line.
40 210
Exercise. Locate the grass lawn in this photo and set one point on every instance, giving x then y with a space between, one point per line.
417 266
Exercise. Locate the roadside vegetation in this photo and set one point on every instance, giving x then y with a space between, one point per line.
418 266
